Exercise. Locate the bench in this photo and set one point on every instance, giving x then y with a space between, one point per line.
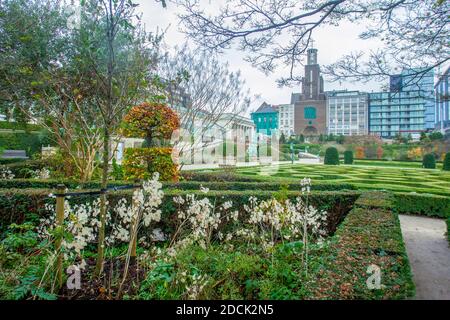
14 154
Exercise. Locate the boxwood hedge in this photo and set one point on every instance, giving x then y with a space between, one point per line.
183 185
369 235
20 205
422 204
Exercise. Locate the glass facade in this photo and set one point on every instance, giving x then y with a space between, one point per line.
265 122
408 109
396 112
442 108
347 113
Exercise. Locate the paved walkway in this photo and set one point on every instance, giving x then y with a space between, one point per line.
429 255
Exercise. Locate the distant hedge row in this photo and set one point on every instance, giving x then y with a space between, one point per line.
183 185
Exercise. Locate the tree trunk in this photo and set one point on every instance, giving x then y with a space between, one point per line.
101 231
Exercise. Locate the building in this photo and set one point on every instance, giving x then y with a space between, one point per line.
286 119
265 119
347 113
392 113
442 109
409 107
412 80
310 105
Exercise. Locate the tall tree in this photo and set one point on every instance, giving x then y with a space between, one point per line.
414 33
119 56
40 79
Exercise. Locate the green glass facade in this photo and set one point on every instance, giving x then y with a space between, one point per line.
265 122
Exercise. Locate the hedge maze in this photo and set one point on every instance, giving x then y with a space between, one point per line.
364 178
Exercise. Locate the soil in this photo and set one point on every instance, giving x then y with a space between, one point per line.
107 286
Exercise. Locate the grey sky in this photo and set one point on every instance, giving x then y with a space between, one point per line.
332 43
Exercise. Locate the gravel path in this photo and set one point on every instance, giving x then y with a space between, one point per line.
429 255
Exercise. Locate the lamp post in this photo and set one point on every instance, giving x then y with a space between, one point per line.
292 153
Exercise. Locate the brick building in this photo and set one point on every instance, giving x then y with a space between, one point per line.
310 105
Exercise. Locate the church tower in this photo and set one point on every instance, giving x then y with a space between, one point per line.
310 106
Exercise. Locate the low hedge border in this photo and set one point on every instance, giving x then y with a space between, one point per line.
448 229
183 185
20 205
422 204
369 235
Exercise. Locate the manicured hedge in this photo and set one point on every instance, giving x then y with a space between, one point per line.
19 205
348 157
448 229
367 236
30 142
429 161
183 185
10 161
422 204
331 156
19 126
446 165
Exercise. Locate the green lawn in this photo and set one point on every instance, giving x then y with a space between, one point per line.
397 179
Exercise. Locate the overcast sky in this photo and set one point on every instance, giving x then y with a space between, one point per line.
331 42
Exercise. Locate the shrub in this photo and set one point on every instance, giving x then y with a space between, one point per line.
331 156
181 185
367 234
429 161
446 165
152 121
348 157
422 204
141 163
23 205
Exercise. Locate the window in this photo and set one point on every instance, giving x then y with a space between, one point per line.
310 113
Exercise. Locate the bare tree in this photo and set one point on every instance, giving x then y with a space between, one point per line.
415 33
202 90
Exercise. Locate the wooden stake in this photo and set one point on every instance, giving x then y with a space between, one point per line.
59 225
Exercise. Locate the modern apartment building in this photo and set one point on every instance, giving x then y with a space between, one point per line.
442 110
391 113
347 113
286 119
408 108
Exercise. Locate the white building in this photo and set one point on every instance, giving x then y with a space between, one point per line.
286 119
347 113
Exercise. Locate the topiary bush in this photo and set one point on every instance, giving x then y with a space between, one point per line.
331 156
348 157
446 165
429 161
140 163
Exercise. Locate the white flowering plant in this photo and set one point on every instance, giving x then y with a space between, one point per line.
41 174
198 220
6 174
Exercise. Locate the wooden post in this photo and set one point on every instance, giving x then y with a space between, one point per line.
133 226
61 190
